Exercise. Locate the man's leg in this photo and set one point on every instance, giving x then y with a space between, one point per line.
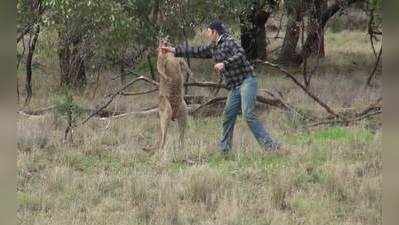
248 100
230 113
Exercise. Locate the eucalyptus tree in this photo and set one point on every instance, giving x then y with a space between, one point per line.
319 12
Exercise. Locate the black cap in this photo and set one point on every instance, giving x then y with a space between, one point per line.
218 26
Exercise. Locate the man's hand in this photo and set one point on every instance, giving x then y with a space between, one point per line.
167 49
219 67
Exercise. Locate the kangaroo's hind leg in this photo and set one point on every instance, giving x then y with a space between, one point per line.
182 125
165 115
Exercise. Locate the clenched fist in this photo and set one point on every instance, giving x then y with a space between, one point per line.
219 67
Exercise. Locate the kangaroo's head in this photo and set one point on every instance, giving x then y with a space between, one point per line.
163 42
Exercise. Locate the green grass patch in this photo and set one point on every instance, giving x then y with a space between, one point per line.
341 134
177 167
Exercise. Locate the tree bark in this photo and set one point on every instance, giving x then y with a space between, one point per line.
253 31
324 14
322 50
288 54
369 79
72 62
314 44
31 51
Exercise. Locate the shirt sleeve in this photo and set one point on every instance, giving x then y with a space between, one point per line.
193 52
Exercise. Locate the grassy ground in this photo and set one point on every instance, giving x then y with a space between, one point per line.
332 177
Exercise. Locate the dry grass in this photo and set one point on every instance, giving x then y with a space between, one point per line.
103 177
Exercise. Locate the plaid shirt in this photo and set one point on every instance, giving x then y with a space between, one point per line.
227 51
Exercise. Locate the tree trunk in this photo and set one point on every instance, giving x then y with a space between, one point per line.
31 50
72 63
321 7
260 40
314 44
316 35
288 54
253 32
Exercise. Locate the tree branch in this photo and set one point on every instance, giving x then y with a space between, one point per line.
308 92
372 110
206 84
118 92
139 93
375 68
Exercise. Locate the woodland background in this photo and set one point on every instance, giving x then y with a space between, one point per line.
87 97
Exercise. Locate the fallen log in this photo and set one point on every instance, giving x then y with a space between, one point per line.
206 84
200 102
139 93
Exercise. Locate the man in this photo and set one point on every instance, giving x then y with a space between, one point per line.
238 75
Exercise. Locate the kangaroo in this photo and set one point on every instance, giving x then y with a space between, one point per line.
172 106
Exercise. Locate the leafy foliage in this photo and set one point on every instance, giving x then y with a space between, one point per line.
66 107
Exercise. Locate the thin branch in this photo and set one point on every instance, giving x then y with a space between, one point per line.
139 93
209 102
373 107
116 93
375 68
345 121
371 33
308 92
287 106
206 84
372 110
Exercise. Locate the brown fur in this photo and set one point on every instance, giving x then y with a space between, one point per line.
171 95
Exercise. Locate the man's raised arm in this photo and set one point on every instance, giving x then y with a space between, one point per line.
193 52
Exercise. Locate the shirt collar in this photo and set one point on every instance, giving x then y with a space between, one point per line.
221 38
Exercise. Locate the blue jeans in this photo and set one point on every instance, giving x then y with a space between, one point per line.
243 98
